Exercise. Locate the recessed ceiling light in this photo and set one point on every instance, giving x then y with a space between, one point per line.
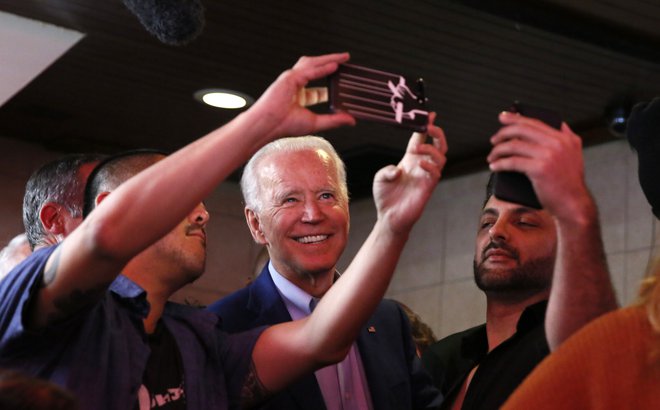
221 98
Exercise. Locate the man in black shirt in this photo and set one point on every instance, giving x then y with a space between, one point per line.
520 252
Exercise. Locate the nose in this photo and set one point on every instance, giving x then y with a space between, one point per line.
499 231
312 212
199 215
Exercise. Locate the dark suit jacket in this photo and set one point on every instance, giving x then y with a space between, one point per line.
394 373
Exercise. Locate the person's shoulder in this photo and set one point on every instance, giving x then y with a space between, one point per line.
40 255
452 343
238 311
389 313
388 305
231 303
458 336
30 268
616 326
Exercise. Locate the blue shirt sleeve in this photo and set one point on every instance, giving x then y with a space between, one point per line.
16 291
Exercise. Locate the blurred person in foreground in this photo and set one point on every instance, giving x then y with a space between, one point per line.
613 362
20 392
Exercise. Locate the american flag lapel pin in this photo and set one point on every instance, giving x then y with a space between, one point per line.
371 329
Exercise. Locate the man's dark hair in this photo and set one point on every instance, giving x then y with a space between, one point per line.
57 181
490 188
114 170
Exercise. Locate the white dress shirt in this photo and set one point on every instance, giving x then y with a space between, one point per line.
343 385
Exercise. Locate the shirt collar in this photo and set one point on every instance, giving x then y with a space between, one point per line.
532 316
131 293
474 343
293 296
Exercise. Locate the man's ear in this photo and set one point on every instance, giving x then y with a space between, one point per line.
51 218
100 197
255 226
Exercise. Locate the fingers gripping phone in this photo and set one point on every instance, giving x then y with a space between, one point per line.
379 96
515 186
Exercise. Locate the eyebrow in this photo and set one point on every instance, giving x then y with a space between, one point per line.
518 211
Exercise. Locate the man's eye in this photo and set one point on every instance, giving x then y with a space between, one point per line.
327 195
486 224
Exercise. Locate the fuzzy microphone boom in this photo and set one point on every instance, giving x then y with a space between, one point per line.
174 22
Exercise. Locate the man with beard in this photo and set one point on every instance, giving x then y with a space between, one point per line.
520 252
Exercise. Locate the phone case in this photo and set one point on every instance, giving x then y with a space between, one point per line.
380 96
515 186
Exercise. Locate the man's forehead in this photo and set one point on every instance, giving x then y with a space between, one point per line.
285 161
311 153
495 206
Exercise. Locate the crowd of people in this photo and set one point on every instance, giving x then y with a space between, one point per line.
85 314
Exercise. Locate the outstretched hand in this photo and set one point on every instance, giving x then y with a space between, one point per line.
551 159
281 111
402 191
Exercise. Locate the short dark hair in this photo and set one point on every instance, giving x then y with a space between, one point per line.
490 188
57 181
114 170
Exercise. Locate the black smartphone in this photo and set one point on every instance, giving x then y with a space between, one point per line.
515 186
379 96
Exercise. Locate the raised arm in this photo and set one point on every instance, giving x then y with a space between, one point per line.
286 351
552 159
152 203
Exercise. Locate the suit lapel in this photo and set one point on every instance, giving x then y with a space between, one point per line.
267 304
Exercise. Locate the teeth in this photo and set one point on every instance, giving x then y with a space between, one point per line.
312 239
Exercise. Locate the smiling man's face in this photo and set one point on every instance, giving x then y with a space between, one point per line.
304 220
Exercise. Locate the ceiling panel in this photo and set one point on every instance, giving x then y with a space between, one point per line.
121 88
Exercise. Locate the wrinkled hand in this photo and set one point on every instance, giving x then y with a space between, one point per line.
281 111
402 191
551 159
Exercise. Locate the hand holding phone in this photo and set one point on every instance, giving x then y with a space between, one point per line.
379 96
515 186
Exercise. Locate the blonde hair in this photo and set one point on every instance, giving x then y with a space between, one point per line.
649 299
649 294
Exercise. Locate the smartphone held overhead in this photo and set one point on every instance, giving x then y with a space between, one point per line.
380 96
514 186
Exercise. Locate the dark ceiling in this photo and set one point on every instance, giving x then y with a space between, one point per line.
120 87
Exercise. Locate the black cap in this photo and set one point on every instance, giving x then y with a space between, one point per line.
644 136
